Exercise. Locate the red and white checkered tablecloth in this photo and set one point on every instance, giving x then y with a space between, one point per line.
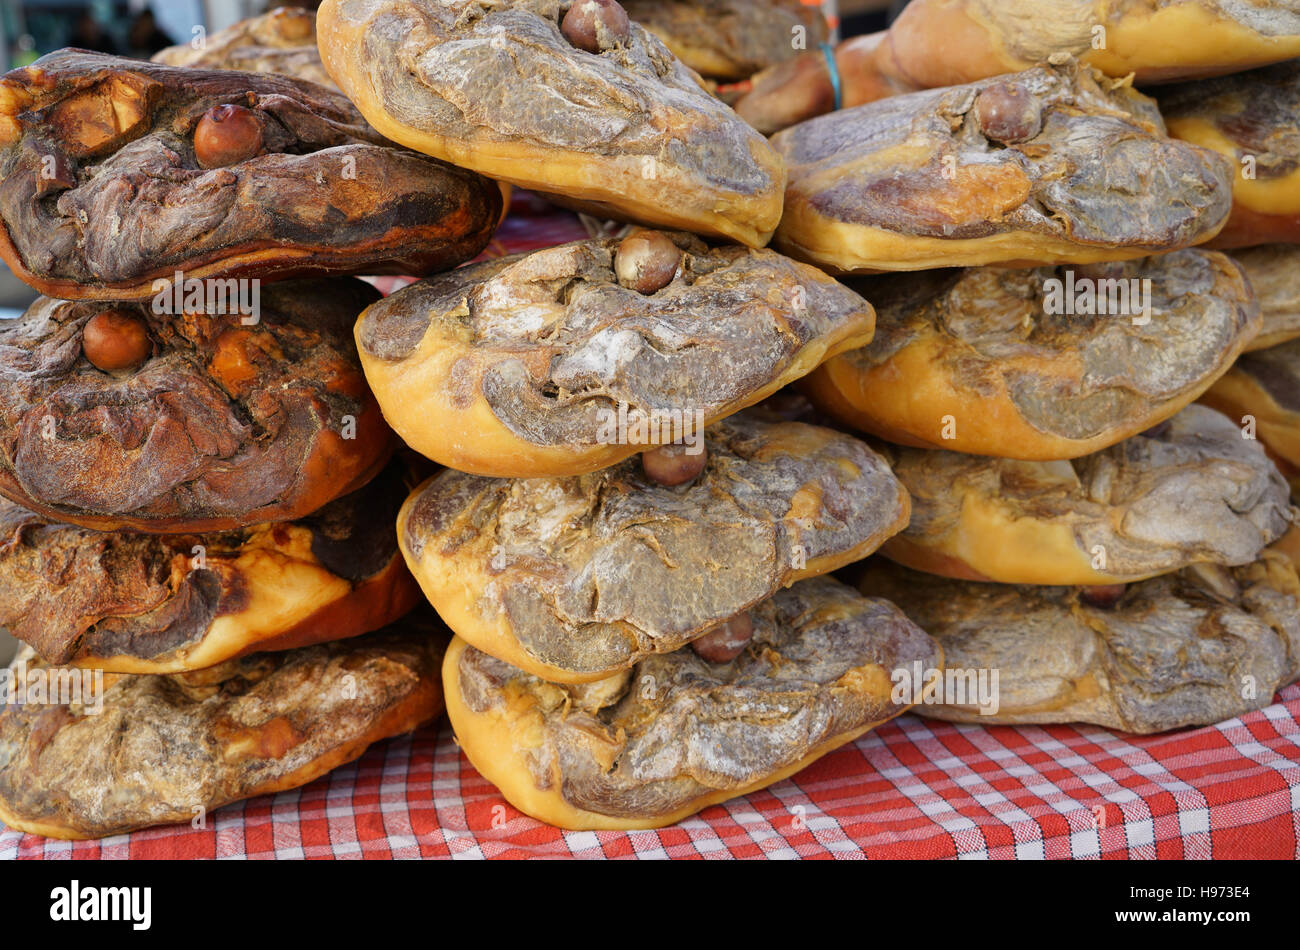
914 788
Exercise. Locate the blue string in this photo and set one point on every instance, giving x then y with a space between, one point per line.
829 52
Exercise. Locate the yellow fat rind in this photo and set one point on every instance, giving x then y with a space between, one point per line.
1184 40
285 585
456 586
1270 196
416 399
807 235
674 201
906 399
993 542
1237 395
497 741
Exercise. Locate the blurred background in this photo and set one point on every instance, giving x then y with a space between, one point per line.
138 28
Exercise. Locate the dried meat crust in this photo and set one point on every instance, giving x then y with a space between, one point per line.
282 41
1261 393
521 366
166 749
676 734
101 194
628 133
912 182
1271 270
730 39
1250 119
574 579
1157 40
1191 648
223 426
973 361
1191 490
140 603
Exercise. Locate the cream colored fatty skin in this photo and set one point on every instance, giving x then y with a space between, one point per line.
906 399
455 586
806 235
1185 39
497 741
993 541
415 395
1165 42
43 828
1269 196
1237 396
579 175
285 584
